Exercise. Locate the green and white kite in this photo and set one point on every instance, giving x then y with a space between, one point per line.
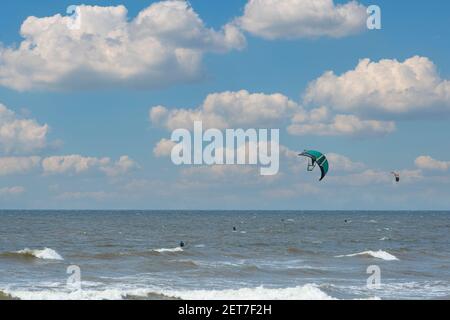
317 159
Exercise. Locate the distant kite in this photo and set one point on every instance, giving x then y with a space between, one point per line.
396 176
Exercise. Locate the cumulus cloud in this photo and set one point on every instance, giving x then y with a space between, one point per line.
76 164
163 45
388 87
124 165
18 135
242 109
366 177
344 164
292 19
228 110
410 176
73 164
18 165
163 148
11 191
321 122
428 163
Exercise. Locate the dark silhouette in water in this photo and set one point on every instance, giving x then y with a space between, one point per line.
182 244
234 229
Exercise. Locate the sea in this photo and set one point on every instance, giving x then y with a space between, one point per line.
227 255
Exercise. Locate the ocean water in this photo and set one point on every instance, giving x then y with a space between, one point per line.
271 255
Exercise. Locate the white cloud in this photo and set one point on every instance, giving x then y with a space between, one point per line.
366 177
343 163
411 176
72 164
164 148
163 45
19 135
242 109
121 167
11 191
428 163
18 165
320 122
76 164
387 86
229 110
291 19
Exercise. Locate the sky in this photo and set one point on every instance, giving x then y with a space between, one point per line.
88 104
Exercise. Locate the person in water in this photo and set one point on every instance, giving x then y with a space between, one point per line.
234 229
182 244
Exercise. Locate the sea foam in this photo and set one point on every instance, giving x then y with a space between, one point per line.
162 250
45 254
306 292
380 254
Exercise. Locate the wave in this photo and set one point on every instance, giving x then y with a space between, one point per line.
396 290
163 250
118 255
306 292
44 254
380 254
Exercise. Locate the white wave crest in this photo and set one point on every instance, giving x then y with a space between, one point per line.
306 292
162 250
54 294
380 254
45 254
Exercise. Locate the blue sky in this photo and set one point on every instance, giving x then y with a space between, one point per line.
109 118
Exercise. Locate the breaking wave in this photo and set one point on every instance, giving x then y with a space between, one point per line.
380 254
306 292
44 254
162 250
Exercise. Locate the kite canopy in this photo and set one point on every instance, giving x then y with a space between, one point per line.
317 158
396 176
